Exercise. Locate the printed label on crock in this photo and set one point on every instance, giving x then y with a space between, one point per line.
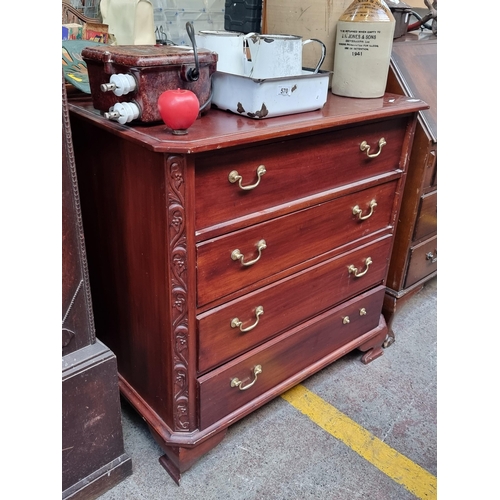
358 41
367 10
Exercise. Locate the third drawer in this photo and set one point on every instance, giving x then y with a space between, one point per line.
422 261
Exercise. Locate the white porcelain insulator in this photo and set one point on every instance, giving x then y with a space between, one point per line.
128 111
123 83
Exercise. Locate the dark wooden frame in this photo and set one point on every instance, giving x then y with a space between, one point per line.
93 455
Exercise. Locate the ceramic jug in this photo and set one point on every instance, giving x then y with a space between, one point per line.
363 49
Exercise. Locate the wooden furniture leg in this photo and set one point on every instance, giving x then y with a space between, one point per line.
373 347
389 309
178 459
391 304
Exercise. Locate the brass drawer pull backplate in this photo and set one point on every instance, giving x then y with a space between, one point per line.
354 270
237 255
236 382
346 320
357 211
431 256
234 176
366 148
236 323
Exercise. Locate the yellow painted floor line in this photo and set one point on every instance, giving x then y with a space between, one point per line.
399 468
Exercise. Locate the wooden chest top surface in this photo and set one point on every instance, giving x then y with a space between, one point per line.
220 129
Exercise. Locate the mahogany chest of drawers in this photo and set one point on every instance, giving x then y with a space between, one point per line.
232 263
413 72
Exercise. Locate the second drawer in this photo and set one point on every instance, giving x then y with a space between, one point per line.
239 259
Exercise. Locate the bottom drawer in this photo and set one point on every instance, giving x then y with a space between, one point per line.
224 390
423 261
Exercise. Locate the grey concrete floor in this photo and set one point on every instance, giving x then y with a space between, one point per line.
279 453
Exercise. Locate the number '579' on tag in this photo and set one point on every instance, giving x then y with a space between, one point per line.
284 90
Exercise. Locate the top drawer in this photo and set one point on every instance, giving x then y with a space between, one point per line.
426 222
294 169
430 174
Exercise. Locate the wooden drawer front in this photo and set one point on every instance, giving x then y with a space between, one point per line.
289 240
294 169
286 303
285 356
430 175
423 261
426 222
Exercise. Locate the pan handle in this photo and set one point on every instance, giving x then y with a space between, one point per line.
323 51
194 73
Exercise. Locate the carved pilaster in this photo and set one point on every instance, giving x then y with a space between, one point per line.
178 271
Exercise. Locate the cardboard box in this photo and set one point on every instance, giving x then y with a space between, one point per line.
72 31
309 19
420 4
96 32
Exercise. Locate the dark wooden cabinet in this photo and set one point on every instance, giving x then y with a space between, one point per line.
413 72
229 264
93 456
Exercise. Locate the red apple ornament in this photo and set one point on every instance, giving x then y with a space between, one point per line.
178 109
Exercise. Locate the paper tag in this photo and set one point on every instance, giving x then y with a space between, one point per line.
284 90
